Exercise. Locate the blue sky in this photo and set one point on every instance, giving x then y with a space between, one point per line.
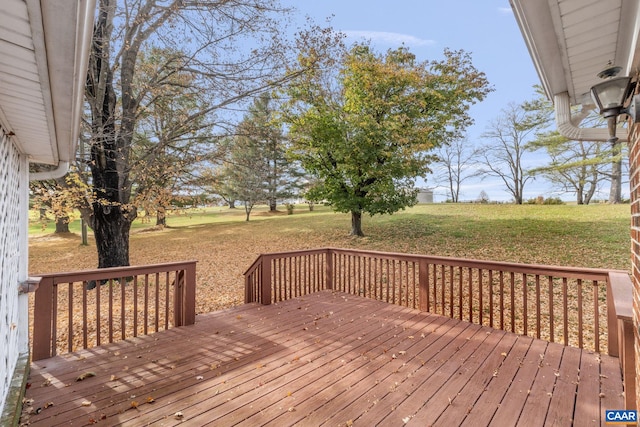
487 29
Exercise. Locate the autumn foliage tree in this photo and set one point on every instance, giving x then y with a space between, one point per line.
209 37
366 131
172 137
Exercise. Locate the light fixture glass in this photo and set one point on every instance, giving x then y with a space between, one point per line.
610 95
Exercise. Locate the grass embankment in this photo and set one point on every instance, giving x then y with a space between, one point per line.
225 245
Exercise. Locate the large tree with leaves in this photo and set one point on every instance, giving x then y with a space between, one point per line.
264 134
171 137
366 131
209 37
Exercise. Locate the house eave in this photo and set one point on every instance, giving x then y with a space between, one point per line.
46 45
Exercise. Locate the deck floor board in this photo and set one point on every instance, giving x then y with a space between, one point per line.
326 359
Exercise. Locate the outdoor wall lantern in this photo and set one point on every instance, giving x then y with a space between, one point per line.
611 95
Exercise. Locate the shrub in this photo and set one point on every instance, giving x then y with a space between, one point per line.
290 207
553 201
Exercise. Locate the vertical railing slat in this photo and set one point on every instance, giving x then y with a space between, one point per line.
552 319
70 318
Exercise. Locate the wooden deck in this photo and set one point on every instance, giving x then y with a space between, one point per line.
327 359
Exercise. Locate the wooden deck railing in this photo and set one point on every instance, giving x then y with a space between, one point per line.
565 304
126 302
583 307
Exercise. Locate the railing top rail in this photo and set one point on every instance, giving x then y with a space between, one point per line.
115 272
255 263
285 254
539 269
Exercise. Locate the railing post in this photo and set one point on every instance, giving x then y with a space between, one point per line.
178 298
44 321
329 269
189 295
626 349
612 322
423 284
266 280
247 284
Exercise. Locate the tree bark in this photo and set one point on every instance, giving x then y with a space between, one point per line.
111 230
272 205
161 217
62 224
356 224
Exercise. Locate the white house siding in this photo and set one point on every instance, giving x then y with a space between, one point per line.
13 261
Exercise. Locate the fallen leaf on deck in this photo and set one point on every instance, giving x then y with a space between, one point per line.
178 415
85 403
86 375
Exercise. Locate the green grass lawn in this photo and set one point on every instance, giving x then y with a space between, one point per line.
594 235
224 244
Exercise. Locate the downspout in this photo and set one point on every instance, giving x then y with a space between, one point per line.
567 128
60 171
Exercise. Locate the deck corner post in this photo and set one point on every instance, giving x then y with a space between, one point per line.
626 351
266 280
45 321
612 321
189 295
423 284
329 269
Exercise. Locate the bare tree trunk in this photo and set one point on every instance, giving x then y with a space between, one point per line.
356 224
615 193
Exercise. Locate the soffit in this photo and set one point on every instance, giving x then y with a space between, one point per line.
43 57
571 41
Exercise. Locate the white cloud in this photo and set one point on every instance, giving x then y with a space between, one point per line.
388 38
505 10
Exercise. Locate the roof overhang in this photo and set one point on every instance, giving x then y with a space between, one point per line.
571 41
44 51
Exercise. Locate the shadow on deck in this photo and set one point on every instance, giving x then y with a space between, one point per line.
327 358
